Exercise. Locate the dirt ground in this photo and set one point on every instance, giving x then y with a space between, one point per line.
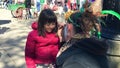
13 33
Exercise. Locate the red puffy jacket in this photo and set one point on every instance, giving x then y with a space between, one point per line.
40 50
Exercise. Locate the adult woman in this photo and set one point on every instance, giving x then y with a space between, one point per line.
81 50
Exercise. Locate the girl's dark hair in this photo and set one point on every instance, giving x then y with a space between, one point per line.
83 22
46 16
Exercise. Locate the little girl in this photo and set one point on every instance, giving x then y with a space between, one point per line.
42 42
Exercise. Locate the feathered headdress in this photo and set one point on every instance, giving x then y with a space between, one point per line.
67 14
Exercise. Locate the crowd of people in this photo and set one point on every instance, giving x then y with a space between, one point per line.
83 40
34 7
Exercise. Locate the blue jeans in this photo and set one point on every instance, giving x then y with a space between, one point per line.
38 6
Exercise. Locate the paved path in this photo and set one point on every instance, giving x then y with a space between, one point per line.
13 35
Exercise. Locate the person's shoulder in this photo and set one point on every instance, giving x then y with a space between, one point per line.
92 41
92 45
80 61
33 33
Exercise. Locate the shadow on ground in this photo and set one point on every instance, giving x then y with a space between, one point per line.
4 21
12 44
3 29
11 56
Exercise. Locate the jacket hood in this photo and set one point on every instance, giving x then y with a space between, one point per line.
34 25
92 45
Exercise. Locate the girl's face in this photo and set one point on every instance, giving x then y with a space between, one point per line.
49 27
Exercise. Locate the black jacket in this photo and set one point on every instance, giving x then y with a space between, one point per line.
84 53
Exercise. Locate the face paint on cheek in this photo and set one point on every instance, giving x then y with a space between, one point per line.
65 33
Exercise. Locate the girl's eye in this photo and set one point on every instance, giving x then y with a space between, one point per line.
50 24
47 23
